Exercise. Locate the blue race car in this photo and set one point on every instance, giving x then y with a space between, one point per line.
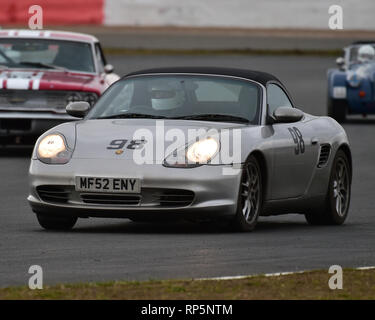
351 87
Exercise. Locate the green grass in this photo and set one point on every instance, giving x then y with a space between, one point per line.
357 284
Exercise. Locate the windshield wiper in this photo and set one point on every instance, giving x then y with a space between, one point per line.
132 115
213 117
42 65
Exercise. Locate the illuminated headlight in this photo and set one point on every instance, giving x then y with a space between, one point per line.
202 151
353 79
198 153
52 149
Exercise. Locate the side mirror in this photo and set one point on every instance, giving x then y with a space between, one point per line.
78 109
108 68
340 61
287 114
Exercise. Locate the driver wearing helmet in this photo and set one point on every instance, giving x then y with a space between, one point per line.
366 53
167 95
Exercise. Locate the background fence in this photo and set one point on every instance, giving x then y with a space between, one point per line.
300 14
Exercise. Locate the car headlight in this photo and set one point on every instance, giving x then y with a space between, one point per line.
90 98
75 96
353 79
199 153
52 149
202 151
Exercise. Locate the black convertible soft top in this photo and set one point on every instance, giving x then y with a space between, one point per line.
363 42
261 77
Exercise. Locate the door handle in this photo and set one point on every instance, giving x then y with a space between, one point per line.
314 141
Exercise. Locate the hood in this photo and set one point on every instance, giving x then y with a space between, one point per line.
24 79
100 139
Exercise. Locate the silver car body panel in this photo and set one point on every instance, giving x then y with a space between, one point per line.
292 183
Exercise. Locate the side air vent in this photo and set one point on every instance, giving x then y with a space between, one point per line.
325 150
54 194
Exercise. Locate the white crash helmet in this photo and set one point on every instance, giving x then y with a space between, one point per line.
366 53
166 96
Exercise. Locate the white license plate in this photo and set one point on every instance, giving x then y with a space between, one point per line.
113 185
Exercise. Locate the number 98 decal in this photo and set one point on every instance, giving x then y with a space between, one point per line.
120 143
298 140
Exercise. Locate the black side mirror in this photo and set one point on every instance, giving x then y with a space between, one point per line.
78 109
287 114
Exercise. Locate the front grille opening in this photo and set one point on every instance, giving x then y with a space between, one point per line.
110 199
41 100
325 151
175 198
54 194
15 124
149 197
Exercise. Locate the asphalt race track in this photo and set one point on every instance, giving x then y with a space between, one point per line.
100 249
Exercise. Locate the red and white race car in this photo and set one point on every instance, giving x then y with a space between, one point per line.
40 73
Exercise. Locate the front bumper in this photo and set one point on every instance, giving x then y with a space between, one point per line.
363 107
215 191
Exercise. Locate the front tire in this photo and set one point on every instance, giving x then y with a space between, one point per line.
56 222
250 197
336 206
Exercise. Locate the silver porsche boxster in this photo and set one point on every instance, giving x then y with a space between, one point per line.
191 143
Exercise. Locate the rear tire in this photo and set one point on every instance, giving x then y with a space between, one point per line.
250 197
56 222
336 207
337 109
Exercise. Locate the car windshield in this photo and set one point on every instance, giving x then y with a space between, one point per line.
353 54
186 97
46 54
